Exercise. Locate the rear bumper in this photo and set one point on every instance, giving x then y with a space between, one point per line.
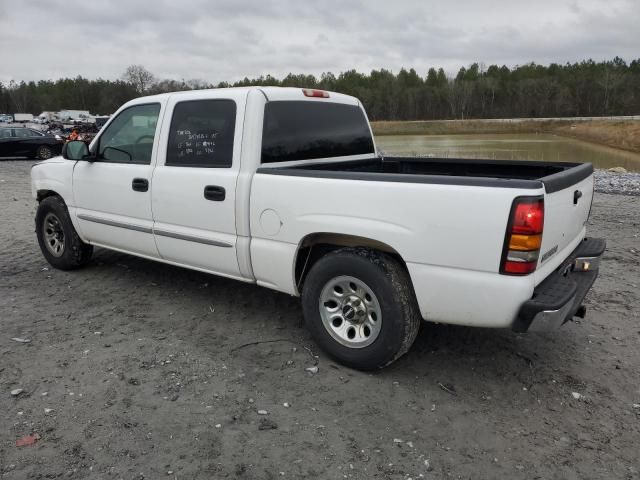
559 297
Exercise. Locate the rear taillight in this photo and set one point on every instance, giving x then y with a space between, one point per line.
524 236
309 92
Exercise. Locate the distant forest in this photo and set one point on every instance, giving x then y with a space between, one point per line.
587 88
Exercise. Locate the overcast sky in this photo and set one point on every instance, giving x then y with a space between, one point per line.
229 39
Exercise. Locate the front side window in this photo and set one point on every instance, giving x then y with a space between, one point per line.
6 133
303 130
201 134
129 138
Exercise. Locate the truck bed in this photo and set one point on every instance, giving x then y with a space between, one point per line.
554 176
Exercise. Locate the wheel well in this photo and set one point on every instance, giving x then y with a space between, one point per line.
42 194
313 247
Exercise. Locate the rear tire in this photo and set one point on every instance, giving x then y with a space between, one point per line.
43 152
58 239
360 307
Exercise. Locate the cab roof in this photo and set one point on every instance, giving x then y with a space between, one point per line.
271 94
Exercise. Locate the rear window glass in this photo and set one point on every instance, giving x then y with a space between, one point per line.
201 134
23 133
307 130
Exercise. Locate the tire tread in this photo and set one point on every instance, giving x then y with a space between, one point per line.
400 283
78 253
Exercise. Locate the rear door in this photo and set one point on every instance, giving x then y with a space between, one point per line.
112 194
194 185
23 141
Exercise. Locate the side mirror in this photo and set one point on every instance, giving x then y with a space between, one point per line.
75 150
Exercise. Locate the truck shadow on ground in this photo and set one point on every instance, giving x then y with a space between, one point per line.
261 314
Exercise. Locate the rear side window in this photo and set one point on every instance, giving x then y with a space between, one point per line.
201 134
23 133
307 130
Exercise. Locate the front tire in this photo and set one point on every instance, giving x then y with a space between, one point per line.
360 307
58 239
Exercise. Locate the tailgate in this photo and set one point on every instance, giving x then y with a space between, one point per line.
567 204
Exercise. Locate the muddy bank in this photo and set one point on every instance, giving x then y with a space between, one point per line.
624 135
136 370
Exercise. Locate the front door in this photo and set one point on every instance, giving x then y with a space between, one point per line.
112 195
7 142
194 184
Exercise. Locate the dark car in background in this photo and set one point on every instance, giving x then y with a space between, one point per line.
27 142
101 121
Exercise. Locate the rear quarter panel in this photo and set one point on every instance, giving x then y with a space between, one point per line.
449 236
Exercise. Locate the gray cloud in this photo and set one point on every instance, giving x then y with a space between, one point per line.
230 39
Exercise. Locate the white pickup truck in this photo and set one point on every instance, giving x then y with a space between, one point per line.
283 187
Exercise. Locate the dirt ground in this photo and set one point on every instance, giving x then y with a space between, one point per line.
136 369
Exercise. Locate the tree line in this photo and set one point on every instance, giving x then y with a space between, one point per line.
586 88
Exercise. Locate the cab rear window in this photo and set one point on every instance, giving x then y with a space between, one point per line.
304 130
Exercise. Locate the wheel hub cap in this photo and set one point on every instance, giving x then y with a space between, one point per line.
45 153
354 310
53 235
350 312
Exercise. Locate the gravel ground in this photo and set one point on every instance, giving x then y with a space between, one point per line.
136 369
608 181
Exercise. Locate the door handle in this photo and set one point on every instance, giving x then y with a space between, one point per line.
140 184
214 193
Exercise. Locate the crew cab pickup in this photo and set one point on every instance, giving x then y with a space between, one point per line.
284 187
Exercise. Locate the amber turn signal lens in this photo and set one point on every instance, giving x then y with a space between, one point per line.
525 242
523 238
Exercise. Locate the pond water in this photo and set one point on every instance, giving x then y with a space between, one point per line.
529 146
